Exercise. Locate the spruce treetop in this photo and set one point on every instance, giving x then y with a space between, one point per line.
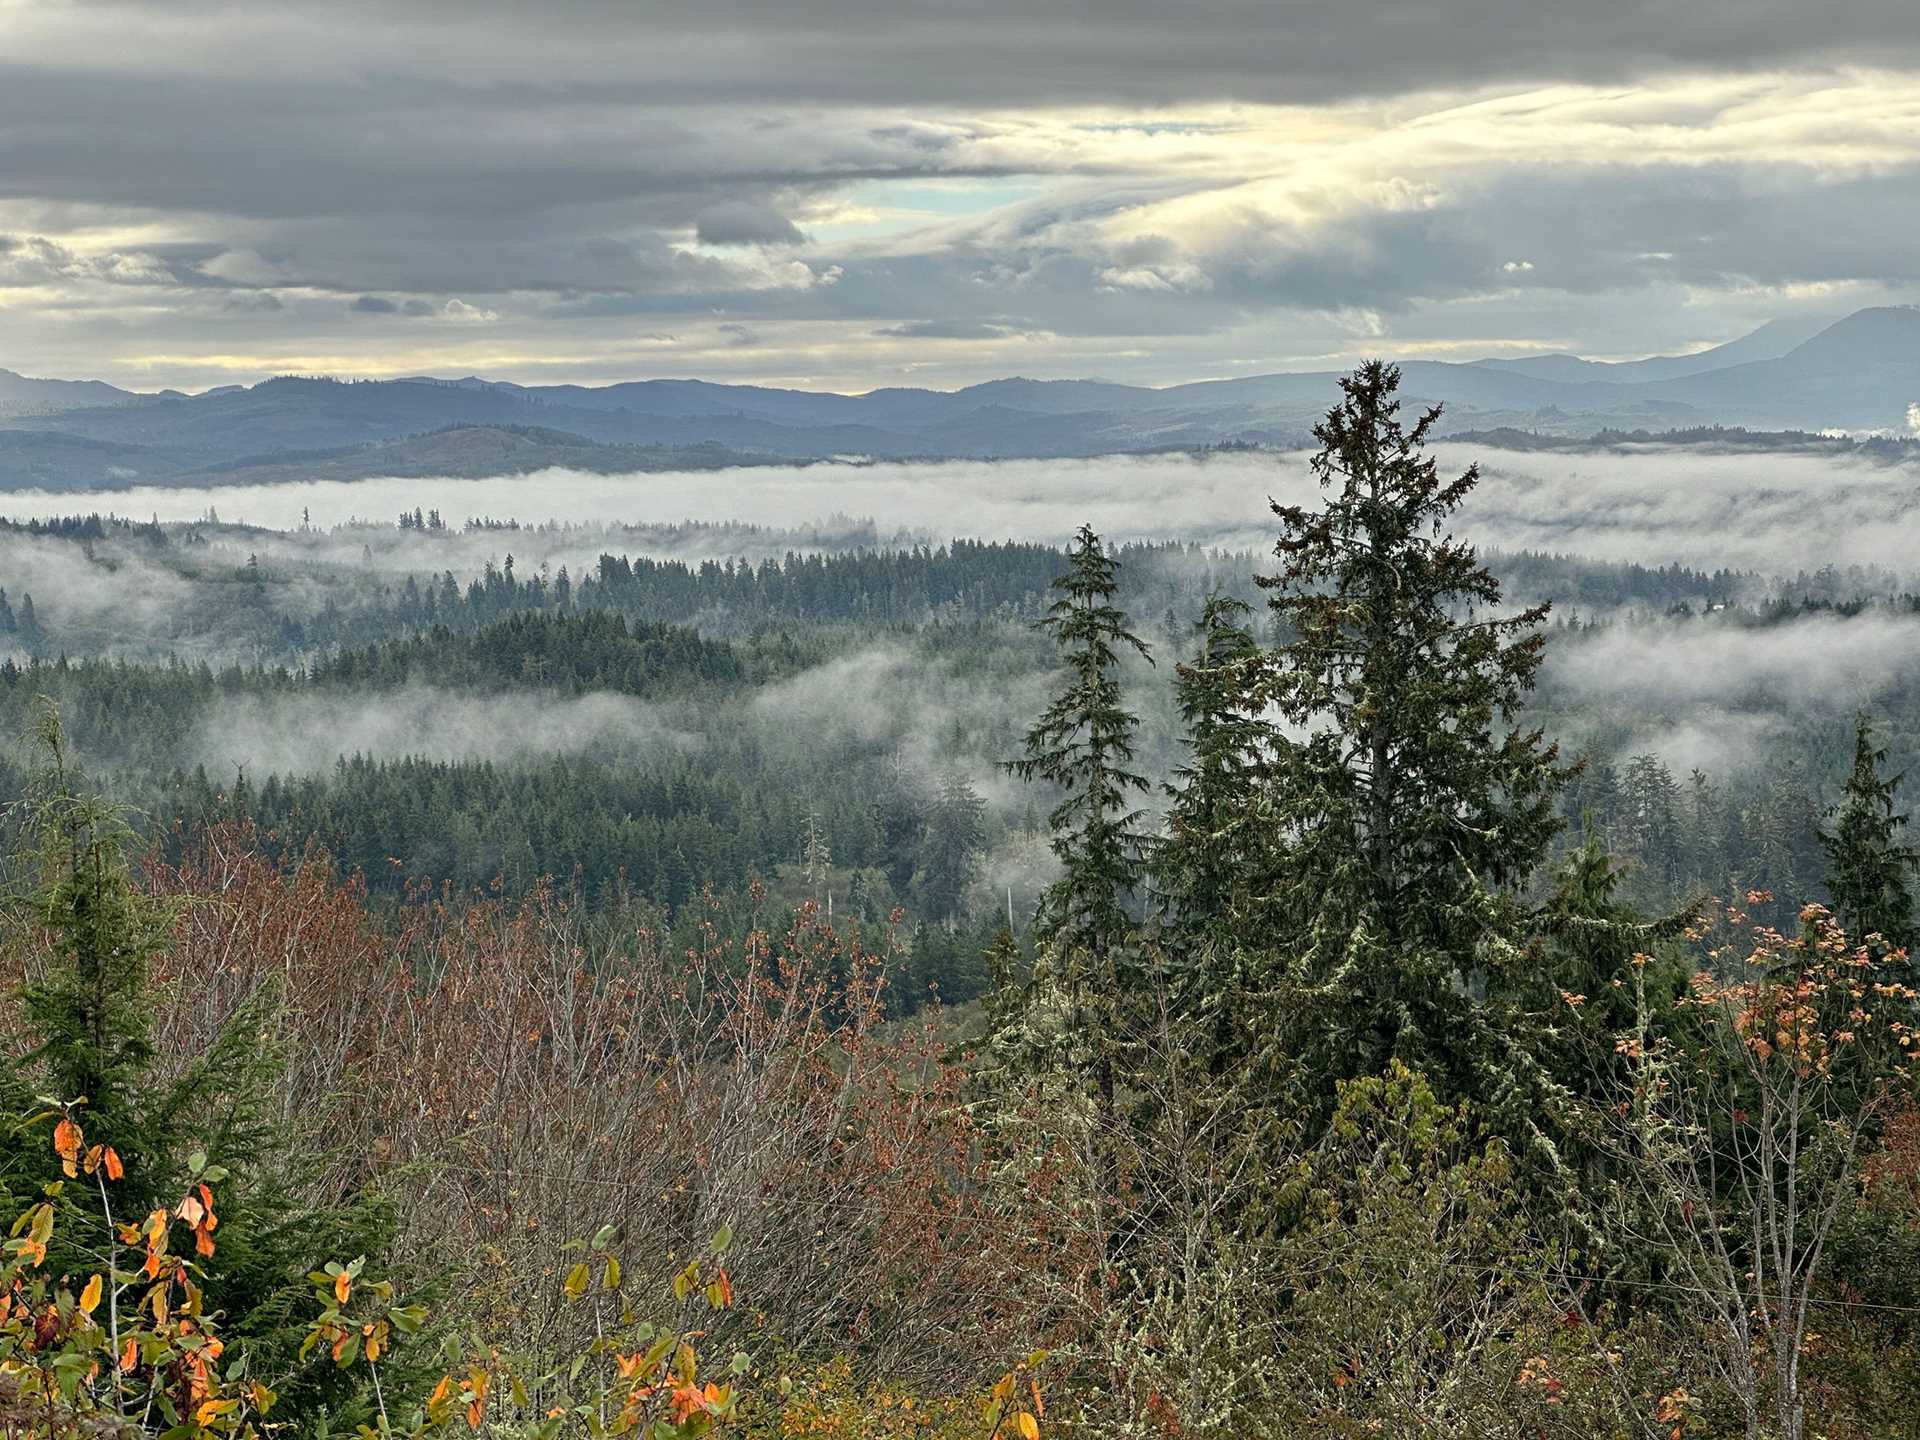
1084 744
1414 791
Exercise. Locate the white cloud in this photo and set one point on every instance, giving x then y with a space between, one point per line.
461 313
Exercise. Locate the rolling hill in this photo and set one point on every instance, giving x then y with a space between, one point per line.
1860 373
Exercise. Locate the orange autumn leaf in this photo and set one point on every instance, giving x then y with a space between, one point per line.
115 1170
477 1410
90 1296
689 1400
198 1384
67 1140
342 1287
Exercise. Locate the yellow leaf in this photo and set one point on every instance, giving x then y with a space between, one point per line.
90 1297
1027 1425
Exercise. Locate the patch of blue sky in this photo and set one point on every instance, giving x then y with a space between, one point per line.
891 207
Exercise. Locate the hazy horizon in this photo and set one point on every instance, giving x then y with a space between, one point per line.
854 387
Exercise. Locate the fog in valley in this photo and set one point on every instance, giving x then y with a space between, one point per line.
1701 691
307 734
1768 511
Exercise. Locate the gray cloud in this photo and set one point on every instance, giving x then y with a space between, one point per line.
987 51
585 171
745 222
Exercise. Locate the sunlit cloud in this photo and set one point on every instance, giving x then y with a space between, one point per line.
1161 209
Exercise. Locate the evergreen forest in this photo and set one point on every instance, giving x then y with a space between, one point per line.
1327 977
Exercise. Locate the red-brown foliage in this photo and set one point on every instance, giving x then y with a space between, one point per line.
532 1075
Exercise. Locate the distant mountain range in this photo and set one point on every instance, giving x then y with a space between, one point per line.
1859 374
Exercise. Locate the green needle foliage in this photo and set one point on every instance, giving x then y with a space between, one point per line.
1867 861
1084 745
1414 807
1210 866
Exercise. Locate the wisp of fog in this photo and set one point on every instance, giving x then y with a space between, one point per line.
1770 511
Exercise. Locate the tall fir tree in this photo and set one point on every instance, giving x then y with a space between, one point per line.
1415 805
1084 745
1215 865
899 813
950 849
1208 862
27 626
1868 862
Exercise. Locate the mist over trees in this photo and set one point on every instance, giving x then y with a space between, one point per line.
1375 985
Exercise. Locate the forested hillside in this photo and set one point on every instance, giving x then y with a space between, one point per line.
475 977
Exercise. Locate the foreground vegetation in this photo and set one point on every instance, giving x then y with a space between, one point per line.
1359 1097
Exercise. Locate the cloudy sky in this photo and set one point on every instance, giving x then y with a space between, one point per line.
852 193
